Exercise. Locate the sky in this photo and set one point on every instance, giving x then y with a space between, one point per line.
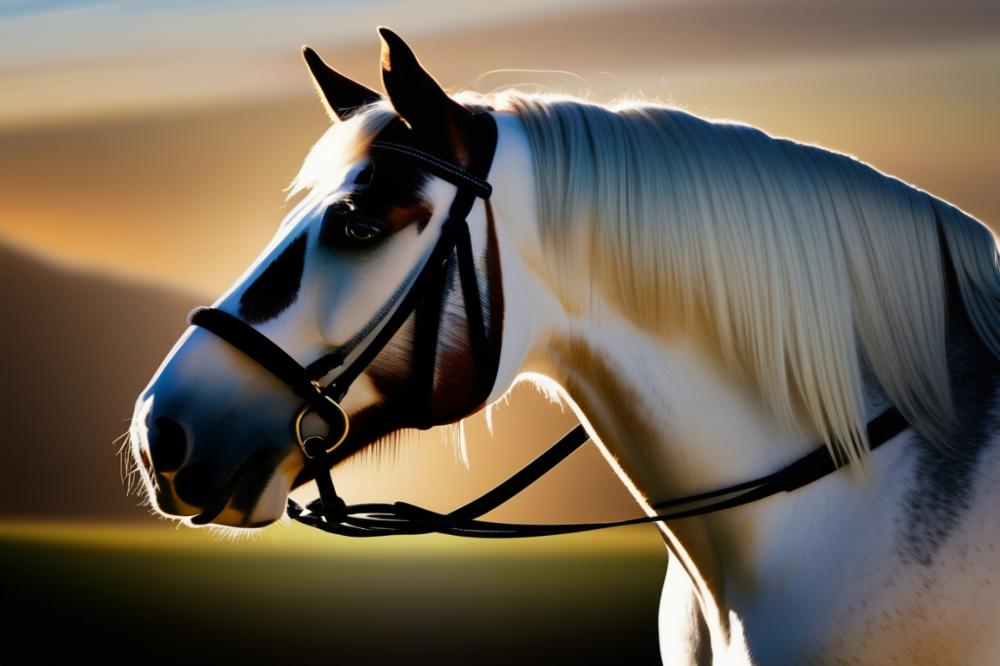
91 59
153 140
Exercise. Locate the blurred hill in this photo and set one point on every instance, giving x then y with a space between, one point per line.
77 348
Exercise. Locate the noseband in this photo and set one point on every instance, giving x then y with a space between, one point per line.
331 514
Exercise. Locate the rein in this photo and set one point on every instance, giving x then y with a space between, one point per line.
424 297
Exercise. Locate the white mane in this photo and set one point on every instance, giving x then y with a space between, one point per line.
795 261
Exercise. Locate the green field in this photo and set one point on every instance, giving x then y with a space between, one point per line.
183 596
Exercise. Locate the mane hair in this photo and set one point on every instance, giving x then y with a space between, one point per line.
805 267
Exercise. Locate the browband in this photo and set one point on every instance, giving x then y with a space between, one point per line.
435 165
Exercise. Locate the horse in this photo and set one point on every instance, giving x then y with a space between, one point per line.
711 301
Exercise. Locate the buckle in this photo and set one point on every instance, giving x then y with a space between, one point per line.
316 446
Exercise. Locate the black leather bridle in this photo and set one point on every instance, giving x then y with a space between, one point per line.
330 513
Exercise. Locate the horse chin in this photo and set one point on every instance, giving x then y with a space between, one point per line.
270 505
267 507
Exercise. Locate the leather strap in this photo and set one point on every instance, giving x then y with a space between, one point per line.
370 520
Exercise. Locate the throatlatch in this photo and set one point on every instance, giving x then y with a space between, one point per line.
331 514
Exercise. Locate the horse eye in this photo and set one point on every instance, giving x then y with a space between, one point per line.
343 227
362 231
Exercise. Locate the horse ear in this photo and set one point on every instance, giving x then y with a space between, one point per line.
340 94
420 101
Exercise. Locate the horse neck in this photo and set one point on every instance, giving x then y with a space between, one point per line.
664 414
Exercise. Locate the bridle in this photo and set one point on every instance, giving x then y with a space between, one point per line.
424 297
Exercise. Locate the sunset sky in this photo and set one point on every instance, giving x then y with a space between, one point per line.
153 140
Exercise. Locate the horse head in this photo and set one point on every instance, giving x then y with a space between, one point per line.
220 439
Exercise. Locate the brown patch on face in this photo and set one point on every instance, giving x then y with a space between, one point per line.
457 378
388 195
454 394
400 217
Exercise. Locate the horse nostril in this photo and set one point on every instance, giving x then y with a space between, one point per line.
168 445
